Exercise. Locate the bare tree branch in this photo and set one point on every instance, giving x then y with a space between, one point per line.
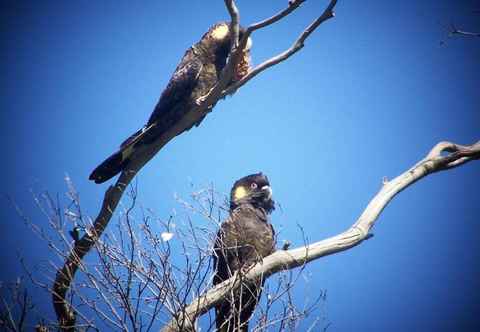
66 316
455 31
65 313
234 22
435 161
297 45
465 33
292 5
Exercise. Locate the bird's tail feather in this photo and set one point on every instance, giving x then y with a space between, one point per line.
109 168
117 161
234 317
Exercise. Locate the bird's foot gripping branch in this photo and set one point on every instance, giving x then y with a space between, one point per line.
444 156
170 119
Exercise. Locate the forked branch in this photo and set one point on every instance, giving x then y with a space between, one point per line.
64 311
443 156
223 88
455 31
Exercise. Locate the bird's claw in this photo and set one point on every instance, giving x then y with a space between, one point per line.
201 100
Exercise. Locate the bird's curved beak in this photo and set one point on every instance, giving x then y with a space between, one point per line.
267 191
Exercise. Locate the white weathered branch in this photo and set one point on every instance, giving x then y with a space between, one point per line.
65 313
455 31
465 33
297 45
435 161
223 88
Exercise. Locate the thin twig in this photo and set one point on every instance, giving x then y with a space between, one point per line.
65 275
455 31
435 161
297 46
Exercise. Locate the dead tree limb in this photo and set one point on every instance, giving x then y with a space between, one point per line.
297 45
453 30
464 33
65 313
435 161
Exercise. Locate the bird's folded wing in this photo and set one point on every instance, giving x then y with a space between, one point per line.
180 86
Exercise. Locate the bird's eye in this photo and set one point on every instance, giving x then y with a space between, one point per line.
253 185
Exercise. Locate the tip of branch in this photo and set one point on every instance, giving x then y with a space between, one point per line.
369 236
385 180
286 245
295 2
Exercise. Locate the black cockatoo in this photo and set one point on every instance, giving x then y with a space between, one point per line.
193 78
244 238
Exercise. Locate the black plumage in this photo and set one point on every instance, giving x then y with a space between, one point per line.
193 78
244 238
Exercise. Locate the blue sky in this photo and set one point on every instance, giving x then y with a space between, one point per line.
373 90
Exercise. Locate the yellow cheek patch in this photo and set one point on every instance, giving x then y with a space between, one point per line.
240 192
220 32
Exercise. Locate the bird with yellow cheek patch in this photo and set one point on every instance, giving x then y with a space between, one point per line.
244 238
240 193
221 31
196 74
